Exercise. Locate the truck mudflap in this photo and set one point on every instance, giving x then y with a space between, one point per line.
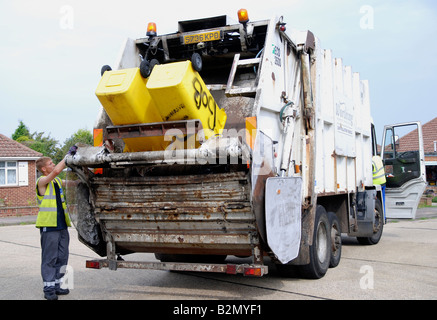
283 216
245 269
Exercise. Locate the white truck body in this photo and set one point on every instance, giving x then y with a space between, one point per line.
286 186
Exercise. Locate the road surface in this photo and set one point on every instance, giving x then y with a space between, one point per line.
402 266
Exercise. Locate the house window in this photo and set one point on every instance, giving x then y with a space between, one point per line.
8 173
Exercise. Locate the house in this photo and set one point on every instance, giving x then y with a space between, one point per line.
430 146
17 178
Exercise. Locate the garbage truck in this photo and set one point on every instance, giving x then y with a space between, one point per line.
227 139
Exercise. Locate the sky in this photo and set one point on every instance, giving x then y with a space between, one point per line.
51 51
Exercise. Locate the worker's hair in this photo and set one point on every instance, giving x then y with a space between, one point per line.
42 162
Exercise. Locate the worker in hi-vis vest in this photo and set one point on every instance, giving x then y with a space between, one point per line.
379 176
53 221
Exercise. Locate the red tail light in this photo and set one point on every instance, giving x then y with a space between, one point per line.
253 271
92 264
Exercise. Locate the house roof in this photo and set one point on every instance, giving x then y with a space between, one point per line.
429 135
12 149
429 131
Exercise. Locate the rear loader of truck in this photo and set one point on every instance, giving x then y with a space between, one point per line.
227 139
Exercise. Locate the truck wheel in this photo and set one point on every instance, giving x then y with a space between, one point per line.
335 240
320 250
196 61
377 227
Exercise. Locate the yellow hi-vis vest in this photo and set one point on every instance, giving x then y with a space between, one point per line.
378 171
48 210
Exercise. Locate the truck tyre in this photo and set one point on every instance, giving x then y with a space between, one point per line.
335 240
377 227
320 250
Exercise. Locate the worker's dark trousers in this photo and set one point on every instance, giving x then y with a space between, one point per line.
54 258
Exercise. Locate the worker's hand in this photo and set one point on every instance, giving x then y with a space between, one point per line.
72 151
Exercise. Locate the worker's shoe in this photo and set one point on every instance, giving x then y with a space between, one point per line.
50 295
61 292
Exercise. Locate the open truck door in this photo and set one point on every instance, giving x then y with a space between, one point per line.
404 163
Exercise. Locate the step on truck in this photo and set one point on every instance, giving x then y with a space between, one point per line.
227 139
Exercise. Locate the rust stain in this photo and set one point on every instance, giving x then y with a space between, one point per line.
198 194
173 216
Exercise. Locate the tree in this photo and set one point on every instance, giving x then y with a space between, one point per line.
36 141
22 132
81 136
46 145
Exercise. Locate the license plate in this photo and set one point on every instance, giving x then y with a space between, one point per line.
202 37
